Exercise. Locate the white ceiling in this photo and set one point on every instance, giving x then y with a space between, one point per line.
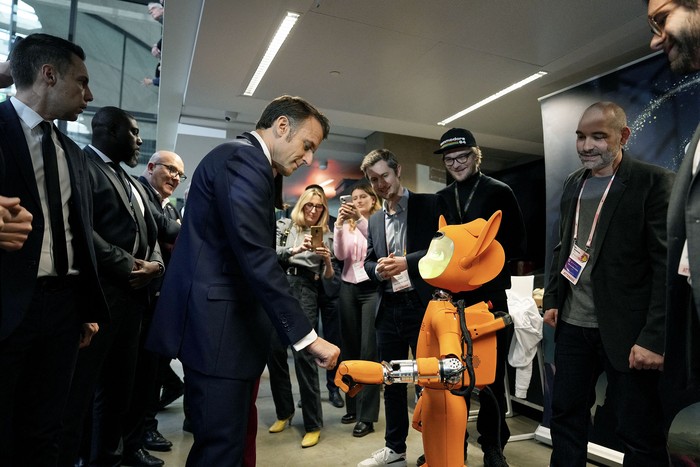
396 66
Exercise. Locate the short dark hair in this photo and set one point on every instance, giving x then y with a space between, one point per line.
296 109
108 118
379 155
34 51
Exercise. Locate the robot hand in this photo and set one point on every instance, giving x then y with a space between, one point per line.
352 375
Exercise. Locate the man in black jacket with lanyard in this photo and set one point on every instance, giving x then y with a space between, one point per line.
606 294
471 196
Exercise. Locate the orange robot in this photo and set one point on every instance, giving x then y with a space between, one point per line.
456 346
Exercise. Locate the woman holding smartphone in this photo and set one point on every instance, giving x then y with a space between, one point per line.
305 264
357 301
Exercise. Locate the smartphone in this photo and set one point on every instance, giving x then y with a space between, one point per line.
316 236
346 199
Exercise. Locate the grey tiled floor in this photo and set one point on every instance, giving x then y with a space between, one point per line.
337 446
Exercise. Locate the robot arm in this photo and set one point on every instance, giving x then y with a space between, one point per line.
352 375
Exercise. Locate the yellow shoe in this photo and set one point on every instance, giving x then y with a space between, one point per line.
280 425
310 439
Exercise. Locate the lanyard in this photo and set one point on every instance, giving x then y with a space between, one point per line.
469 199
597 212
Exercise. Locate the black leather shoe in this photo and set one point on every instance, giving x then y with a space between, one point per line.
141 458
362 428
154 441
336 400
169 396
348 418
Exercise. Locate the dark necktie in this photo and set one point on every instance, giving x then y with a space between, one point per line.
53 198
122 179
135 209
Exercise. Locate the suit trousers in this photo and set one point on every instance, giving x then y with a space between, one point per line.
398 325
579 360
144 395
36 366
359 342
220 414
330 322
305 290
104 376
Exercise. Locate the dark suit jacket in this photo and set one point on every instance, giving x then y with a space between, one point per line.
224 271
682 362
422 222
18 269
628 269
490 196
114 227
166 220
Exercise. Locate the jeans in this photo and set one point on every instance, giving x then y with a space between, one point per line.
306 292
579 359
359 341
398 325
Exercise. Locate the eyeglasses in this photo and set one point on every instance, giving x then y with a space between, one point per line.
172 170
311 206
657 24
461 159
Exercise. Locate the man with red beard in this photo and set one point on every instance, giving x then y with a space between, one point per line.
606 294
676 30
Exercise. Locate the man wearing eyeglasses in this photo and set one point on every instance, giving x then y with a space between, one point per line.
474 195
676 30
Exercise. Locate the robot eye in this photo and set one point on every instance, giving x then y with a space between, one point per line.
438 234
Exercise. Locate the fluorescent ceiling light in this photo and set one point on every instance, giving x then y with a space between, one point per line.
492 98
272 49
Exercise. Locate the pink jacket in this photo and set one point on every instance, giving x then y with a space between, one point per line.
350 247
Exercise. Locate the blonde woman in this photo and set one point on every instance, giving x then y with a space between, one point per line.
304 266
357 300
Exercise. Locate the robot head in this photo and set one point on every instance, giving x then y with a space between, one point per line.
463 257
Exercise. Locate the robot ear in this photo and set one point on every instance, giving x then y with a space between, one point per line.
442 223
486 235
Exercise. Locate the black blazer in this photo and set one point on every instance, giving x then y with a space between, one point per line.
224 287
628 269
114 223
168 227
422 222
682 362
18 269
490 196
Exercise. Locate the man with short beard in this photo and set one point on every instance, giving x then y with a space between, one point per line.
676 28
128 258
606 294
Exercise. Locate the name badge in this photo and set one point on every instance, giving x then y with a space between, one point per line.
577 260
684 263
360 273
400 282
